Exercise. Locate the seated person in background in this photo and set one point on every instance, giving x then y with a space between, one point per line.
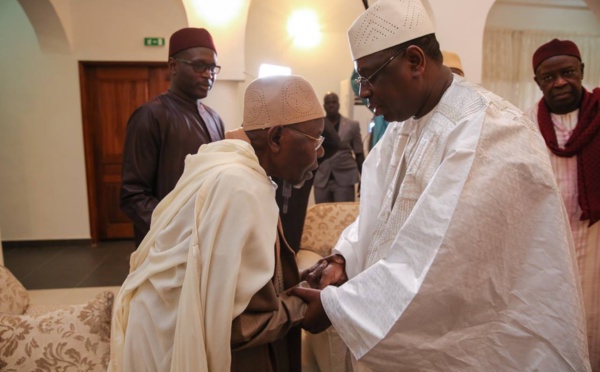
206 286
569 119
452 61
336 176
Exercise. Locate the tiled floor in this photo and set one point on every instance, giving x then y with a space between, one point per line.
103 265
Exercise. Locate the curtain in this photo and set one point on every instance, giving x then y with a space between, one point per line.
507 55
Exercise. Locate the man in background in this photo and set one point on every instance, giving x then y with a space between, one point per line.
206 287
461 258
337 176
569 118
452 61
293 201
163 131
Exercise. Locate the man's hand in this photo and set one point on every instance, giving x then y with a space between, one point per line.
330 270
315 318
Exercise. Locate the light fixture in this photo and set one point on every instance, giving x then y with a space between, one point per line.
303 27
270 70
218 13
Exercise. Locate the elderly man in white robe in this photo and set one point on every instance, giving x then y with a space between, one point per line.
461 258
206 286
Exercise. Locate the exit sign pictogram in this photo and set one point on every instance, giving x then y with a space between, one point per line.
154 41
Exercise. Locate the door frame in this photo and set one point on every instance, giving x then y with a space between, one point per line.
88 130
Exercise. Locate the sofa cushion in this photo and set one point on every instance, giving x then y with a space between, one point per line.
76 338
324 223
13 296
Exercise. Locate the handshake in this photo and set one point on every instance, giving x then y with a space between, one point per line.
330 270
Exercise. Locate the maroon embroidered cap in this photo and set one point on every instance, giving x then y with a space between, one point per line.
555 48
190 37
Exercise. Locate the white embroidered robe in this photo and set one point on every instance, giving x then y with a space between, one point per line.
461 258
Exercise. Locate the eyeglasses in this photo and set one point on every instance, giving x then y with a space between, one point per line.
363 81
200 66
319 140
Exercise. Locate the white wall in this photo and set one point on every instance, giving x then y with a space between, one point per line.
42 171
520 17
325 66
226 98
42 166
459 28
114 30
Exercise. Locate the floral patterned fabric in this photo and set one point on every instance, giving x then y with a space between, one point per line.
13 296
35 310
324 224
74 338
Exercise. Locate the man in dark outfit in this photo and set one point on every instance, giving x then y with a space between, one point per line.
163 131
336 177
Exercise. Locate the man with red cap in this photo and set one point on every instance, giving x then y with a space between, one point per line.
569 119
163 131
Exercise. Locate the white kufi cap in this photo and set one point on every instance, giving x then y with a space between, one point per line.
280 100
388 23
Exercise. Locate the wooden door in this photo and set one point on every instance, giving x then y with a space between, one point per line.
110 93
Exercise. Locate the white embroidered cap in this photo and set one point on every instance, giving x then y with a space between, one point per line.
279 100
388 23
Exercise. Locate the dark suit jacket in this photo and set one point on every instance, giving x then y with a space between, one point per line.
342 164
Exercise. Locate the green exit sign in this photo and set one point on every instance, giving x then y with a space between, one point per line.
154 41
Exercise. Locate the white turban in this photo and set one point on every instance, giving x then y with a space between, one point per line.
388 23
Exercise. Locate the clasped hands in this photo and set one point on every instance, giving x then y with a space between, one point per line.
330 270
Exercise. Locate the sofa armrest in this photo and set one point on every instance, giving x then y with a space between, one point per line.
306 258
14 298
74 337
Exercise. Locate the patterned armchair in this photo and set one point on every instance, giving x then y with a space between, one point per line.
52 337
324 223
323 226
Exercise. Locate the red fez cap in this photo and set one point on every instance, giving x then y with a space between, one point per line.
189 37
555 48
